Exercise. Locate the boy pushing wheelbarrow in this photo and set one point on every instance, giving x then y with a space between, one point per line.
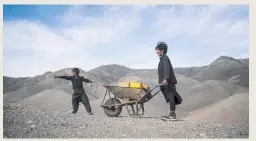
138 94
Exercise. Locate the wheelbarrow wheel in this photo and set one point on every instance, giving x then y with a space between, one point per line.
112 111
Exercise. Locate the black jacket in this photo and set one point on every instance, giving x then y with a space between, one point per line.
77 83
165 70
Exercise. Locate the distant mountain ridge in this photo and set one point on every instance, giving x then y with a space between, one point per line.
224 68
111 73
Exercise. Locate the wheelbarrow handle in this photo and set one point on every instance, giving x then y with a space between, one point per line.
149 92
158 85
162 84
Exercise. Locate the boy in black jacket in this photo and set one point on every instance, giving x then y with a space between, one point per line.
79 93
166 77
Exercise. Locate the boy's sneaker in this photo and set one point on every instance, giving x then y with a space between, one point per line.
171 116
90 113
71 112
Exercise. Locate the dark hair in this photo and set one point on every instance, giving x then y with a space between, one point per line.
76 70
162 46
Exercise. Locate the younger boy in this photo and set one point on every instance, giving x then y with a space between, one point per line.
79 93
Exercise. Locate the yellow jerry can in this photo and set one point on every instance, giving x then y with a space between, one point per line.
134 85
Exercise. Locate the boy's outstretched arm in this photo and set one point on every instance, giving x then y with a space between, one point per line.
63 77
86 80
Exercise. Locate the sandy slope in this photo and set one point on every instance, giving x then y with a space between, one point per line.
207 93
234 109
198 95
53 99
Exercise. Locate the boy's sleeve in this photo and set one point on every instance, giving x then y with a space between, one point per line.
167 66
64 77
168 71
86 80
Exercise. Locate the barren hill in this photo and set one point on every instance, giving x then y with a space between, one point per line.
193 91
10 83
205 90
109 73
224 68
207 93
30 86
234 109
53 99
195 94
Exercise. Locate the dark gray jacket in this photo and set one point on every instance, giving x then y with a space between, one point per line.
77 83
165 70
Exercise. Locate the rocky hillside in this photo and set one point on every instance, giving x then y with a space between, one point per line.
209 95
228 69
11 83
190 71
234 71
30 86
195 94
109 73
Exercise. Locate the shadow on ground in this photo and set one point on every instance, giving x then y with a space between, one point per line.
145 117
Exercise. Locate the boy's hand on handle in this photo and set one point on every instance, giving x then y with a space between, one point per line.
164 82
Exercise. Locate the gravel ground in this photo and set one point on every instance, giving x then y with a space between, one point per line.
24 122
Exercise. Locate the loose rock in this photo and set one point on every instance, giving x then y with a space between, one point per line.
63 125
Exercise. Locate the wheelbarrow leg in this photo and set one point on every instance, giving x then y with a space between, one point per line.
129 111
104 97
142 108
133 112
137 109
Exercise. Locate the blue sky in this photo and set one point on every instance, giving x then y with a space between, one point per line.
40 38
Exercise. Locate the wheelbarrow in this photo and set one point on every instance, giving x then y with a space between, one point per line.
128 97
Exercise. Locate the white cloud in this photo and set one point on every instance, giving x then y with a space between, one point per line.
202 26
125 35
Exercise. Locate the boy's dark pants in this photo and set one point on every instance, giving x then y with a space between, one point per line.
82 97
169 95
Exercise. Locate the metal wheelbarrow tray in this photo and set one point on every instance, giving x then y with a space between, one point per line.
128 97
